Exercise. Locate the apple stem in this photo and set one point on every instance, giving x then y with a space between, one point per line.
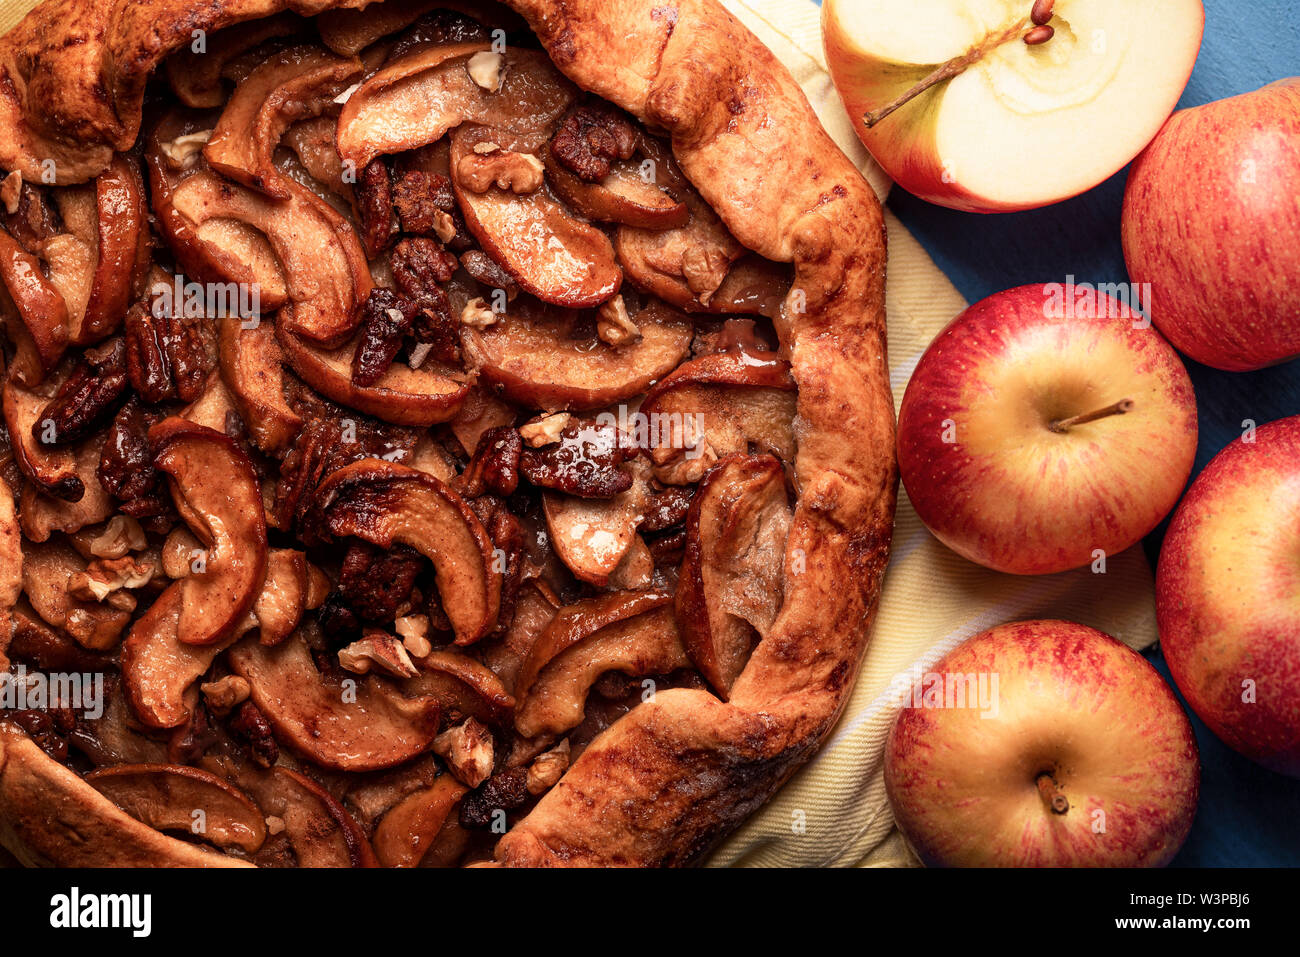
1051 792
954 67
1119 408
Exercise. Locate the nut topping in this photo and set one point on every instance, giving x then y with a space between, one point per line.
479 171
546 430
591 137
468 751
378 650
614 325
485 69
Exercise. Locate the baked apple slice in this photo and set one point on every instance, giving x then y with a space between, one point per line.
296 83
42 515
729 588
418 98
51 468
552 359
42 332
387 505
519 223
626 196
401 395
371 726
216 491
198 78
724 404
413 827
318 828
252 368
463 685
592 536
48 575
166 796
631 632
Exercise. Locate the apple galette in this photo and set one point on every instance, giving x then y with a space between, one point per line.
438 433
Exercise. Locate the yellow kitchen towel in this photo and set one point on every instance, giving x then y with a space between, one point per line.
834 812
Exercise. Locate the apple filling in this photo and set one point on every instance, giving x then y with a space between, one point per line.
387 424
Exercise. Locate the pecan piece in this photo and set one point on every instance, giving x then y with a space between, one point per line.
386 318
667 508
423 201
374 201
126 468
250 726
501 792
591 137
376 584
166 355
419 267
86 397
584 462
494 467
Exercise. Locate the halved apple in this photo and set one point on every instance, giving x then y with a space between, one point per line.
548 252
294 84
1018 127
729 588
419 97
387 505
165 796
372 726
402 395
216 491
551 359
631 632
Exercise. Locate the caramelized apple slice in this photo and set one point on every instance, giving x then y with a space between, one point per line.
387 504
51 468
631 632
735 399
217 494
480 412
325 271
365 727
46 578
549 253
624 196
11 565
251 365
42 332
402 395
549 359
463 685
122 242
418 98
196 76
41 515
730 581
592 536
754 287
535 607
296 83
284 597
411 829
685 266
348 32
166 797
319 829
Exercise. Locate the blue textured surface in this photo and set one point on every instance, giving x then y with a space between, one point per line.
1247 816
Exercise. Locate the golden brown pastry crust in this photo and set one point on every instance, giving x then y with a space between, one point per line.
668 780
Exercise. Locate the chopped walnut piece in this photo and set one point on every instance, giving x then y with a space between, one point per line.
614 325
414 630
119 536
183 151
468 751
591 137
104 576
521 173
11 191
478 314
225 694
377 649
485 70
546 430
685 466
548 768
274 825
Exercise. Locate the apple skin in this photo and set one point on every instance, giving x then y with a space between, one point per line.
1218 249
1074 703
1012 495
1228 595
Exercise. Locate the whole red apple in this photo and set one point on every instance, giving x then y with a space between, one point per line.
1211 217
1072 752
1228 595
1045 427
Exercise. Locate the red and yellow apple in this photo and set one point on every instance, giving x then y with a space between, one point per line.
1023 125
1211 215
1073 753
1228 595
1045 427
